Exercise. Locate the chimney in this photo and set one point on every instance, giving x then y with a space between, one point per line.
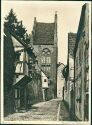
33 32
55 16
55 21
34 19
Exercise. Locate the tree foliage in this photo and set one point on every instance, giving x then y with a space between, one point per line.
65 72
16 27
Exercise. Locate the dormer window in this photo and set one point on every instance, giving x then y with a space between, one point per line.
43 59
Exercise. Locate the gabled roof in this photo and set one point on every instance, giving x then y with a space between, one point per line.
19 42
16 37
43 33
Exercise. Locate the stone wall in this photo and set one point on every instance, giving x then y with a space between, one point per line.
9 58
82 67
52 91
34 90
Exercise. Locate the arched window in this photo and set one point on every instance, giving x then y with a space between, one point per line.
43 59
46 56
46 51
46 59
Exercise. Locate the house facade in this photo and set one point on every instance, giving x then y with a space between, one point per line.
27 80
82 66
21 78
69 89
45 47
77 82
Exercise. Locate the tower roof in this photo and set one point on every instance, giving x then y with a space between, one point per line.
43 33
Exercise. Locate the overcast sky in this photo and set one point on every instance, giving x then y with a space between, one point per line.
68 18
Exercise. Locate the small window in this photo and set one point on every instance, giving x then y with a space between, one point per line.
19 68
15 93
17 75
48 60
45 80
48 68
18 56
43 59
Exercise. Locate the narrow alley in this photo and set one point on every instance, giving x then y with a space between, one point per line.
47 111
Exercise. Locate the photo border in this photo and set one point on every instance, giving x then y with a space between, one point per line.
2 58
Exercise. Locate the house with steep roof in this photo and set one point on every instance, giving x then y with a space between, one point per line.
23 72
22 77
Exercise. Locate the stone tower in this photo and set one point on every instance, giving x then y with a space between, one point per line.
45 47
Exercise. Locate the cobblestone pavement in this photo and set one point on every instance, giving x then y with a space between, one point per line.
64 113
45 111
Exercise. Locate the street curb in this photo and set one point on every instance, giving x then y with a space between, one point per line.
58 112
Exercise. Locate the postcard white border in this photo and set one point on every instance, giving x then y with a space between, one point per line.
46 122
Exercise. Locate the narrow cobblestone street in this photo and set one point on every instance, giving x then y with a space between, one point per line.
48 111
64 113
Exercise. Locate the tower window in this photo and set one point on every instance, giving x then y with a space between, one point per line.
48 59
43 59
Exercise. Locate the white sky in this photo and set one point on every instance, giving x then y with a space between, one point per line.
68 18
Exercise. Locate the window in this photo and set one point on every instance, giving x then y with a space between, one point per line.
43 59
46 56
45 80
44 69
46 51
48 68
48 60
19 56
19 68
15 93
17 75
